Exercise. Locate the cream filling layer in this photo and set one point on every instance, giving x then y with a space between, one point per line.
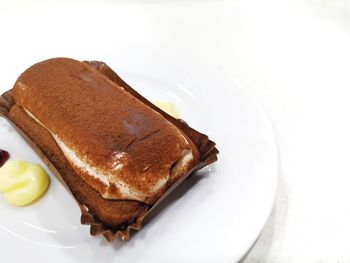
105 177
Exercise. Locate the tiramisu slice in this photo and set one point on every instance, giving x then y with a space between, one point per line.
125 152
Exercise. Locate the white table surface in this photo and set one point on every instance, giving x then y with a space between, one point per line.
295 57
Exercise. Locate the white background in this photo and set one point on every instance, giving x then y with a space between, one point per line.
293 55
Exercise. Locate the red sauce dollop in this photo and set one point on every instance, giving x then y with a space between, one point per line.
4 156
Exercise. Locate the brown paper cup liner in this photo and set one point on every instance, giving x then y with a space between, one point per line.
208 154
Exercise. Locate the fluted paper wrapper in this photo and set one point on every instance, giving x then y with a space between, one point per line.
208 154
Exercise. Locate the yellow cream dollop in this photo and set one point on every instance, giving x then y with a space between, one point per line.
168 107
22 182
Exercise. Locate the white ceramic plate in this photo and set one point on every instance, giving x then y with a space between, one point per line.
214 216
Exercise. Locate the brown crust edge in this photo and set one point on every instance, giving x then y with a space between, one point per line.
207 151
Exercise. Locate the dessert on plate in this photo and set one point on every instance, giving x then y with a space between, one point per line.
116 152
